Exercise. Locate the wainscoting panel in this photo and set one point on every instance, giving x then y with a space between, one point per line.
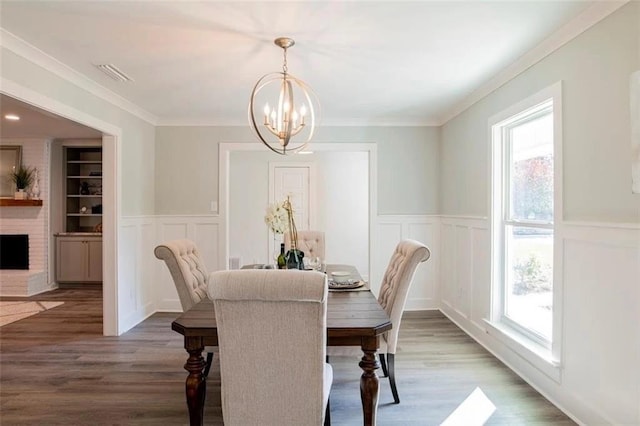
600 310
480 279
147 266
204 231
602 316
426 229
465 267
206 236
135 275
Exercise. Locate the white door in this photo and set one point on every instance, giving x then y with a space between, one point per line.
296 181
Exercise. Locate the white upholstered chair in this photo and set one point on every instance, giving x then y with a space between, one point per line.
189 274
310 242
267 314
396 282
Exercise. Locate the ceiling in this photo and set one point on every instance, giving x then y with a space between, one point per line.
38 124
381 62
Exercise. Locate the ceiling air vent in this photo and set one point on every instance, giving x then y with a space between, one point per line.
113 72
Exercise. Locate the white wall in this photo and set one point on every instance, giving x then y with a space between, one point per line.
599 376
29 75
407 164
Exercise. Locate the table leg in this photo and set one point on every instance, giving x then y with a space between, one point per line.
196 384
369 384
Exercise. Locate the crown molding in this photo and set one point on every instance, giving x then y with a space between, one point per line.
559 38
188 122
31 53
578 25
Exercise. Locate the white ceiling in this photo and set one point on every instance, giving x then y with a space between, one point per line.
382 62
38 124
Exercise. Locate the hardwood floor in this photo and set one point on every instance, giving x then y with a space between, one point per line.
56 368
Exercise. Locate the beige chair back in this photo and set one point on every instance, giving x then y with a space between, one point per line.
187 269
396 282
272 340
310 242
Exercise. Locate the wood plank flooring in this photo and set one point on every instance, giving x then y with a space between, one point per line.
56 368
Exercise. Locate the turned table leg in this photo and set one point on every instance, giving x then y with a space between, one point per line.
196 384
369 384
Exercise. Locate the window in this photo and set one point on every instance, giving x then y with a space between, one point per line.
525 180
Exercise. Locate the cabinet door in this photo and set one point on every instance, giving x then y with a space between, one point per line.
72 260
94 273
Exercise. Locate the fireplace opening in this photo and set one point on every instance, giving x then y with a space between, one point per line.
14 252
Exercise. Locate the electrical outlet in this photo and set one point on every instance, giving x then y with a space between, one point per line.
214 206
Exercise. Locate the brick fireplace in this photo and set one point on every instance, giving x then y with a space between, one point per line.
32 222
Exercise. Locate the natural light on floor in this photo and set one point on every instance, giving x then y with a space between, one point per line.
14 311
474 411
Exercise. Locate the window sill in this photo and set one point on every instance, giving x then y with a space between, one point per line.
538 356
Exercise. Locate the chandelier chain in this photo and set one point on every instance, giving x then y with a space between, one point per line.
284 64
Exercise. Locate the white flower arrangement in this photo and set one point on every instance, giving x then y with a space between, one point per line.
277 218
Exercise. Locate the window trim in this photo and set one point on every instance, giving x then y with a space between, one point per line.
531 349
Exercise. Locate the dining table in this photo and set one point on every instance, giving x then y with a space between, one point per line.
354 318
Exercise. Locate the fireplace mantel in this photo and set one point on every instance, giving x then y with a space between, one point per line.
10 202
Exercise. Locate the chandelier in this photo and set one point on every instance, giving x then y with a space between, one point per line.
288 117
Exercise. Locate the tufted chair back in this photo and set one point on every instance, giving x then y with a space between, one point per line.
187 270
262 315
310 242
396 282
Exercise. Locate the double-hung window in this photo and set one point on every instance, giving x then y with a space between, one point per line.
524 183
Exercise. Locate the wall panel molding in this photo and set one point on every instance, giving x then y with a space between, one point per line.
204 230
390 230
600 275
136 270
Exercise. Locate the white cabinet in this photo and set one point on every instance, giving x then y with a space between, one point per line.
79 259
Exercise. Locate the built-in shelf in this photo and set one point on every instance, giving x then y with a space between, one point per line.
10 202
82 188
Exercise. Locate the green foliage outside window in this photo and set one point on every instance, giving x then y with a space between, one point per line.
531 276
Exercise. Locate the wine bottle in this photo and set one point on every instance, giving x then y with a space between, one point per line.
282 262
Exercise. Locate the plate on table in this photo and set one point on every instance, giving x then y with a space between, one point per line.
346 285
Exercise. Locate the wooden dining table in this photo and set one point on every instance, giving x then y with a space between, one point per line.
354 318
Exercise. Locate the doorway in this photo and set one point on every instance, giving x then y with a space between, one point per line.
111 137
298 182
345 184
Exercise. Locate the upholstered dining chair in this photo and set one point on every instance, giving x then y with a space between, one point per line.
262 314
310 242
189 274
394 289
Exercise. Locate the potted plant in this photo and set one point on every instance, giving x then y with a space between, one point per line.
22 177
